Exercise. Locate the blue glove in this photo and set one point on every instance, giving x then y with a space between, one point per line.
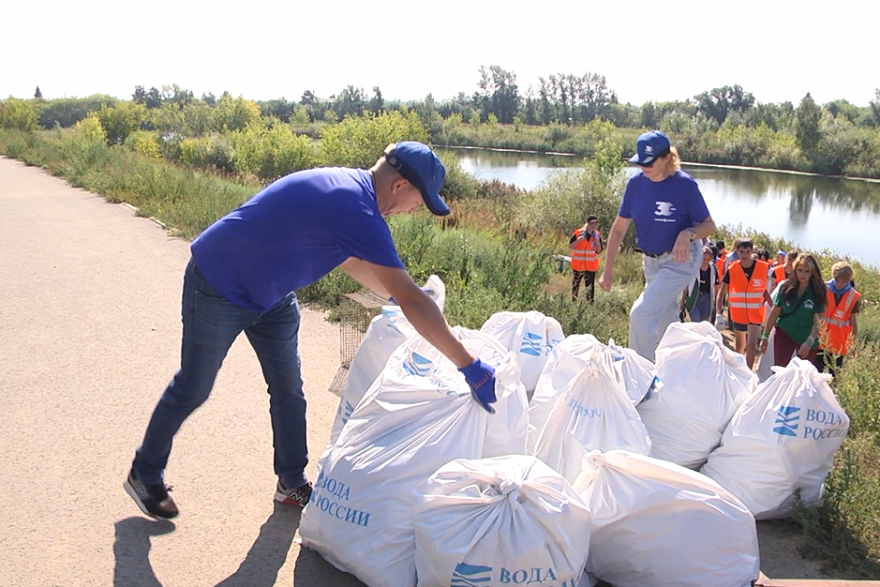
427 290
481 378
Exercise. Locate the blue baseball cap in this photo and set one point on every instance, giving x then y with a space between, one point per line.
420 166
649 146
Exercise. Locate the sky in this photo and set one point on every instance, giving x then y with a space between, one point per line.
648 51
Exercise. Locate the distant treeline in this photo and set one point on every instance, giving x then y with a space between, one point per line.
565 112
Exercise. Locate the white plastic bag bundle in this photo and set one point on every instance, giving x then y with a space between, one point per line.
501 521
531 335
782 440
657 524
703 384
635 372
386 332
593 414
417 416
565 361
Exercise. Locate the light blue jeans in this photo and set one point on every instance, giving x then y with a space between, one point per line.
211 323
657 307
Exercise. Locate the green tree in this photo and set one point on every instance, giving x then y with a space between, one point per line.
121 120
720 102
18 114
377 103
359 141
807 132
234 113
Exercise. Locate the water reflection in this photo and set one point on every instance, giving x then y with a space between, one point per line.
813 212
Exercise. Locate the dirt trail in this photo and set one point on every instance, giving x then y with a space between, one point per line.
90 322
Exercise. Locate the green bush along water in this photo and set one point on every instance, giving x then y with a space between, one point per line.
494 252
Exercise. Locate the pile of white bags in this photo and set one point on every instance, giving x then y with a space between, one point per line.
531 335
417 416
782 440
594 413
635 372
657 524
386 332
565 361
503 521
703 384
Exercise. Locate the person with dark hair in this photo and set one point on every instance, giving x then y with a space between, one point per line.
242 277
799 303
585 245
746 282
699 298
671 219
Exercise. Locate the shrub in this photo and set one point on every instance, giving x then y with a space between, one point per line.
360 141
18 114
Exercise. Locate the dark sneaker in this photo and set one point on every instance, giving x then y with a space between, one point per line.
152 498
298 496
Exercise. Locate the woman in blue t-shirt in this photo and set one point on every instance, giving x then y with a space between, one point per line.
671 218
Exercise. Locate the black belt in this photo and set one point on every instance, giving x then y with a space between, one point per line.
652 255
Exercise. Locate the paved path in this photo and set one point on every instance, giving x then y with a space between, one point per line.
90 326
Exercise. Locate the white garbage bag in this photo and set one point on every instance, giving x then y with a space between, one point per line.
564 362
416 417
655 524
704 383
781 442
635 372
500 522
386 332
531 335
593 414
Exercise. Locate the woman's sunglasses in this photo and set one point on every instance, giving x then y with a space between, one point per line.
651 164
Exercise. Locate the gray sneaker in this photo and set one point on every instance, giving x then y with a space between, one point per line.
151 498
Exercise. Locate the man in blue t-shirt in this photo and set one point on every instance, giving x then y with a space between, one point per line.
671 218
242 276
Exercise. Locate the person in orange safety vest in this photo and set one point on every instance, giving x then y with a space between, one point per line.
746 284
838 327
585 245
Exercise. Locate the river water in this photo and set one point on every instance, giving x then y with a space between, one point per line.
815 213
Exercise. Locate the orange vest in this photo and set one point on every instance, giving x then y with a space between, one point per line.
746 296
583 255
779 271
835 331
719 263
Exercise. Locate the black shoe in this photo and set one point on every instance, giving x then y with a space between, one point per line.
297 496
152 498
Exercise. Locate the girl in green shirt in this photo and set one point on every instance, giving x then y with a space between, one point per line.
795 314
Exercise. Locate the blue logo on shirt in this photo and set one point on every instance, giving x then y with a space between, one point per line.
531 344
466 575
787 417
418 366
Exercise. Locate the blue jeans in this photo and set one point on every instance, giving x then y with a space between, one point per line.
210 325
657 307
702 307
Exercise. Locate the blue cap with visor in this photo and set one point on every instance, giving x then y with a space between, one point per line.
418 164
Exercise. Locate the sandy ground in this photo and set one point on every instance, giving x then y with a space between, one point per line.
90 322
